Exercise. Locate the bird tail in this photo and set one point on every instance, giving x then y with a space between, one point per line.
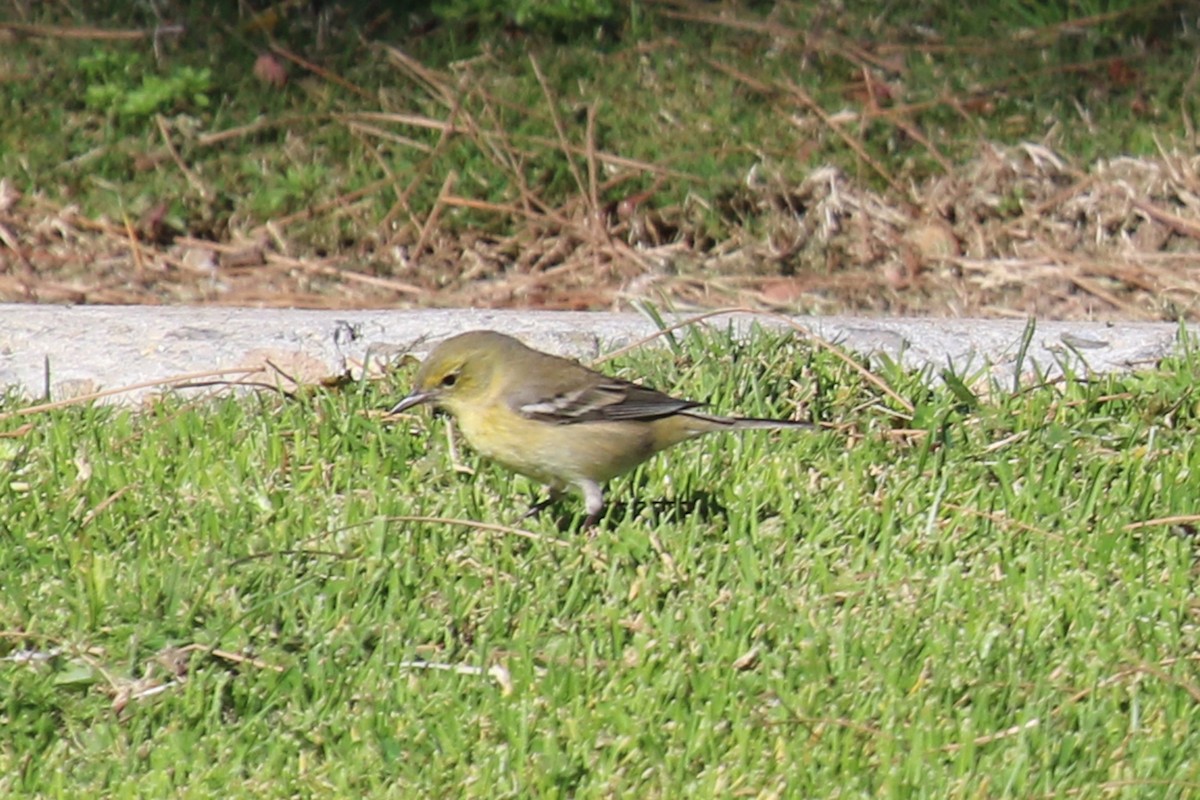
769 424
744 423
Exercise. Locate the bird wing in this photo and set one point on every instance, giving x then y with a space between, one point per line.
593 397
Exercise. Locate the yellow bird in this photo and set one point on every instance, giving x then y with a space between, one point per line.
554 420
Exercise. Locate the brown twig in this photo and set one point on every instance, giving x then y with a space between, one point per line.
434 213
483 526
320 71
192 178
133 387
90 34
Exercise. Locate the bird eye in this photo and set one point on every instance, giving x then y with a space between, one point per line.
450 380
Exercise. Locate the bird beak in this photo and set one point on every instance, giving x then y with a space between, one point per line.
414 399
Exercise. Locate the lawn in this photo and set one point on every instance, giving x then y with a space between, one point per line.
992 595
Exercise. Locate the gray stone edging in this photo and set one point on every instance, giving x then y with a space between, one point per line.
89 348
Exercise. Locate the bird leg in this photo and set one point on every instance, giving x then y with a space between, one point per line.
593 502
540 506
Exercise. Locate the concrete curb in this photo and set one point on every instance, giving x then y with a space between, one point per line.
74 350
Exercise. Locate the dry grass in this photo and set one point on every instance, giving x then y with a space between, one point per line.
1017 231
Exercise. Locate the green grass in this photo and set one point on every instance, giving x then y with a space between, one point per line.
850 613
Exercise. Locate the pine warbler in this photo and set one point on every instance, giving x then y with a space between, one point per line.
554 420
